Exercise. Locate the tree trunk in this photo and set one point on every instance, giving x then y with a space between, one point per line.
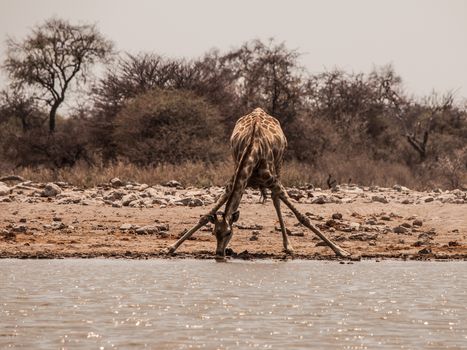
419 146
52 114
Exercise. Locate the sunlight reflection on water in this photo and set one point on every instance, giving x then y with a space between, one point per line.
181 304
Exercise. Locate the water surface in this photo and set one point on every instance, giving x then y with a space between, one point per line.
181 304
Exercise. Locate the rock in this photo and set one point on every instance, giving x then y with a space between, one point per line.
172 183
363 237
250 227
126 227
138 203
427 199
400 188
23 220
142 187
19 228
314 216
116 182
425 251
400 229
8 235
152 193
417 223
51 190
191 202
335 188
4 189
385 218
420 243
380 199
160 200
58 225
57 218
162 227
127 199
147 230
114 195
319 200
207 199
182 201
295 194
196 202
296 233
453 244
425 236
69 200
337 216
406 225
407 201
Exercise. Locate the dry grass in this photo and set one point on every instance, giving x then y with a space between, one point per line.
189 173
358 170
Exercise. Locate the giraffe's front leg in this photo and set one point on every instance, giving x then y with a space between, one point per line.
202 221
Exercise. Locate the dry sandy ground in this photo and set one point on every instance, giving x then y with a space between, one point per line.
102 222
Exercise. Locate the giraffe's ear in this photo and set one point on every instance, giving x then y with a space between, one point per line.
235 216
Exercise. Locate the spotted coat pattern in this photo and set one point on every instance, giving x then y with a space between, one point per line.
258 145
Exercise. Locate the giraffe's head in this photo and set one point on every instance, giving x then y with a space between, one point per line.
223 231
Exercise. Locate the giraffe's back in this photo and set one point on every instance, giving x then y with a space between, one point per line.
269 143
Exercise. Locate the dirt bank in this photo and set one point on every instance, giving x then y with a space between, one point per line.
139 221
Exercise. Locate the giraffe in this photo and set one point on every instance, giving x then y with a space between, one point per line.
258 144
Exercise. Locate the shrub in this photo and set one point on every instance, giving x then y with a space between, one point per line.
168 126
39 147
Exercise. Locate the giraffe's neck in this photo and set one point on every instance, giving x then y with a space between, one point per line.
243 173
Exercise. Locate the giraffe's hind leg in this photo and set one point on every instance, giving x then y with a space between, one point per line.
285 239
269 181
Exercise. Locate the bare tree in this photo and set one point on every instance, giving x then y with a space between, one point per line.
267 75
417 132
51 57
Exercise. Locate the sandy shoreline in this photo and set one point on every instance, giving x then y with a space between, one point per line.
137 221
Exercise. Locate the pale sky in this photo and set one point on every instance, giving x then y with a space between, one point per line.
425 40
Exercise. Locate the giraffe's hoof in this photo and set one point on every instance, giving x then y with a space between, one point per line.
220 258
288 251
343 254
170 250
